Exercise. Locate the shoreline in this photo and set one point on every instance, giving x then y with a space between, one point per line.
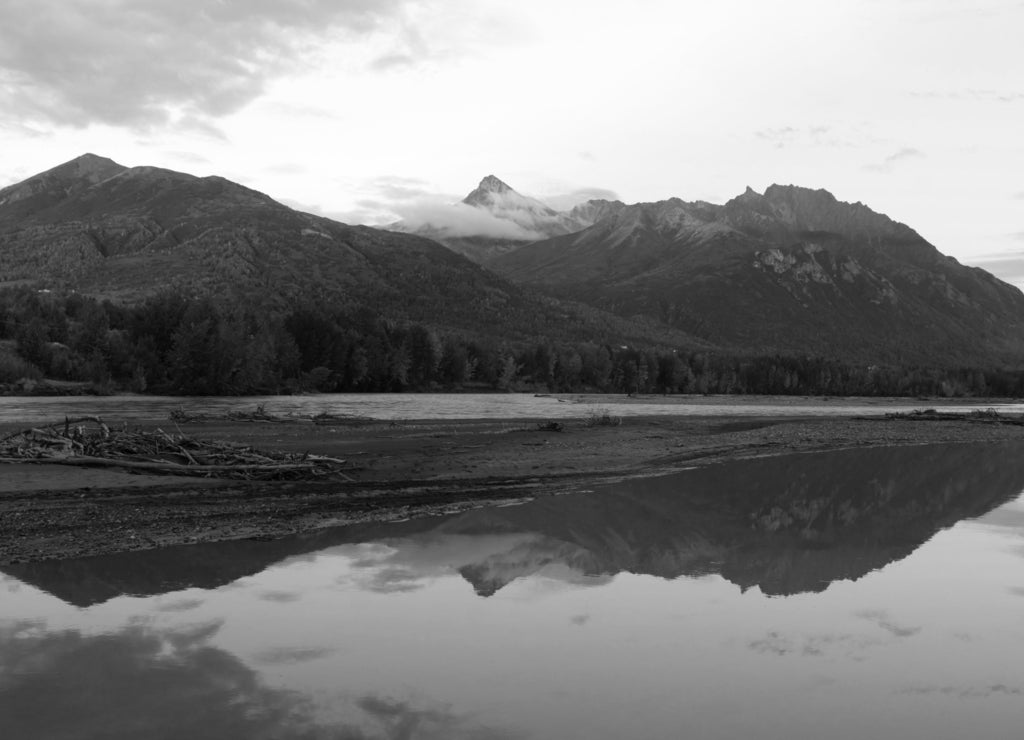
403 470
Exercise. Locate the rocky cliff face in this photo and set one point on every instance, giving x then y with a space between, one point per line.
792 270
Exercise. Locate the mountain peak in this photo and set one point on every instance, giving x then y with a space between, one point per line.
493 184
88 166
819 210
92 160
485 192
791 192
58 183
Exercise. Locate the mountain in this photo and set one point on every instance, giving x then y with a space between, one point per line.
793 271
495 219
128 232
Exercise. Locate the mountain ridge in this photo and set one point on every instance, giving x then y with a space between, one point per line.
101 228
793 270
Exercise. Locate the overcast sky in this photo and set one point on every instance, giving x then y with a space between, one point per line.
366 110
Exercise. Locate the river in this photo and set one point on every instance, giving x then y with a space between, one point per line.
860 593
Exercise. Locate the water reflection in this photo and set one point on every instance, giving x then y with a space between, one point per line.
173 682
640 611
141 682
786 525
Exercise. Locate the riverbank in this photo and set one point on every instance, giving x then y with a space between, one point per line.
401 469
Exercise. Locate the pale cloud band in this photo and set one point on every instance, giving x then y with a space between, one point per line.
894 159
144 63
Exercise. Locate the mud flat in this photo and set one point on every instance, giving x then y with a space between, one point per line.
405 469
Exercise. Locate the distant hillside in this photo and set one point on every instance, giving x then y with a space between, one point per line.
126 233
791 271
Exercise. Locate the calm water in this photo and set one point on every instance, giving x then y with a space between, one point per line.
857 594
390 406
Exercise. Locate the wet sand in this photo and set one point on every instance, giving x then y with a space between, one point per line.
401 470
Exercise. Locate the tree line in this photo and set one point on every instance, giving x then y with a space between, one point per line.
172 343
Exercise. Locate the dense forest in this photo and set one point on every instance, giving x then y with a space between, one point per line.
175 344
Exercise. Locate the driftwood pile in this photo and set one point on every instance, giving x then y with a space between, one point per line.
986 416
260 414
87 441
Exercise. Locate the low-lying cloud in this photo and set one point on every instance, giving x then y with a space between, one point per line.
415 206
459 219
418 207
145 63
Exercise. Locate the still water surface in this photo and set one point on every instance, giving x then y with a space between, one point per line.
866 593
392 406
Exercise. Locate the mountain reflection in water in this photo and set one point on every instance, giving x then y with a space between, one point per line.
786 525
645 610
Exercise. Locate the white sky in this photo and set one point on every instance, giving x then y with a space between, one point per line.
365 109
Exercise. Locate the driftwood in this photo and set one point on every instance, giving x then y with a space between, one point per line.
325 418
986 416
260 414
87 441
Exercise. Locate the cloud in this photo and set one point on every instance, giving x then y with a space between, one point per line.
818 135
191 158
292 655
966 692
439 32
566 201
280 597
402 719
394 580
150 63
413 50
780 137
142 683
182 605
971 94
191 636
459 219
419 207
392 187
882 620
890 162
814 646
286 168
